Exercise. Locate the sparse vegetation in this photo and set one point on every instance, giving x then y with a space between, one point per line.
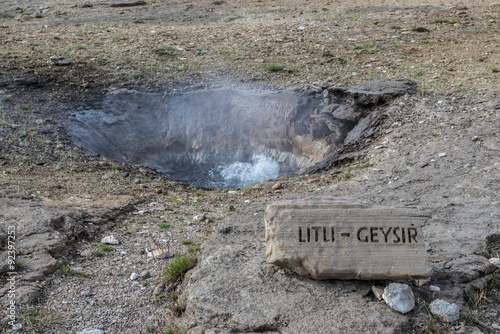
420 29
495 69
347 176
164 225
73 272
187 242
178 266
5 98
105 247
23 106
274 67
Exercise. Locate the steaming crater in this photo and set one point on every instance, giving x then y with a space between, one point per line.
219 138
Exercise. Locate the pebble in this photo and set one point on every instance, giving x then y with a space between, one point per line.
495 326
159 254
91 331
445 311
378 291
134 276
232 192
145 274
277 186
110 239
399 297
442 155
86 293
434 288
421 282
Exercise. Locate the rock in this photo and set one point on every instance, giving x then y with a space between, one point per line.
59 61
378 291
87 293
127 3
159 253
399 297
329 239
442 155
495 261
110 240
158 290
495 326
144 274
86 253
445 311
133 276
466 269
421 282
277 186
17 327
91 331
434 288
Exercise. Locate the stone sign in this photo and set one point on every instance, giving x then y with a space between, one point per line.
329 239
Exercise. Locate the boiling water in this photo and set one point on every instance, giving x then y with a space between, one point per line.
240 174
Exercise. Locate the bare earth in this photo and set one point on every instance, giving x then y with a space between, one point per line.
438 149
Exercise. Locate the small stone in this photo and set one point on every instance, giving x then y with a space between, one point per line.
434 288
445 311
301 28
110 239
59 61
199 217
91 331
159 254
442 155
17 327
86 293
232 192
133 276
158 290
277 186
127 174
496 326
144 274
378 291
495 261
399 297
86 253
475 138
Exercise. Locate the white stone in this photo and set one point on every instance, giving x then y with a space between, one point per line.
91 331
110 239
495 261
133 276
17 327
399 297
421 282
159 254
445 311
434 288
442 155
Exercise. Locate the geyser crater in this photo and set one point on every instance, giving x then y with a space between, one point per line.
225 138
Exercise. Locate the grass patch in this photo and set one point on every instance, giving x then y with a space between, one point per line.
105 248
495 69
173 199
98 253
197 192
37 319
187 242
23 106
81 47
164 225
347 176
420 29
274 67
177 267
290 69
5 98
195 248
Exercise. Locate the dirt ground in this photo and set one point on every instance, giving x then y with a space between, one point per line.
58 56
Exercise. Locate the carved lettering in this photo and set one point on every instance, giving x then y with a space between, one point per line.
386 234
412 234
359 234
316 230
398 240
373 234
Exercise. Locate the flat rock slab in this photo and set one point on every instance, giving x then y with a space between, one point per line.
325 238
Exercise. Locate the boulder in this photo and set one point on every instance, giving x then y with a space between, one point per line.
325 238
